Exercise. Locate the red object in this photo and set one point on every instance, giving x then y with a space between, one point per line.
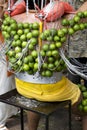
21 8
67 7
54 10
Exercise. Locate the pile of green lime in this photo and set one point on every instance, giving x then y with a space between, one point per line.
83 105
25 36
76 23
20 34
53 40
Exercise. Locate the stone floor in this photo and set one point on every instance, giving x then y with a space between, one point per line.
58 121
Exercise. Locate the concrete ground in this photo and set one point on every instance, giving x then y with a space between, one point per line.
58 121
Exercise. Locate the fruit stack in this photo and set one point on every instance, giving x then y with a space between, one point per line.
23 49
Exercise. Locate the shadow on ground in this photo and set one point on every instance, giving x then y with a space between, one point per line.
57 121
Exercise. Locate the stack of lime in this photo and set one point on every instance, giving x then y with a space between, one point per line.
76 23
23 51
20 34
53 40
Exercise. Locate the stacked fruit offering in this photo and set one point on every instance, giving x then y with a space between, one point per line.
21 52
26 54
53 40
22 47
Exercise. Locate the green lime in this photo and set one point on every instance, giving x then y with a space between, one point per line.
80 107
43 73
5 23
31 64
85 109
76 27
30 57
71 31
80 14
48 53
42 52
5 28
36 66
18 55
60 33
65 22
65 30
35 25
19 62
45 47
55 53
9 29
52 46
29 35
44 65
24 44
33 41
31 46
50 66
58 44
26 67
85 14
34 53
85 94
23 37
56 38
84 102
35 33
7 36
83 88
20 25
26 31
82 26
57 63
13 21
26 59
25 25
18 43
20 32
71 22
18 49
13 43
49 38
51 59
8 20
11 53
63 39
2 27
16 37
42 36
48 73
85 25
13 26
13 32
53 32
47 33
76 19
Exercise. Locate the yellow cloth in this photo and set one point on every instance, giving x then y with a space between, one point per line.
60 91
